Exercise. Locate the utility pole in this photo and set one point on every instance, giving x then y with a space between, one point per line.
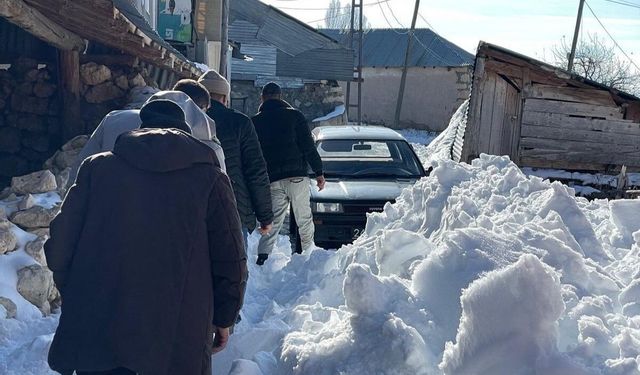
224 40
407 55
356 6
572 55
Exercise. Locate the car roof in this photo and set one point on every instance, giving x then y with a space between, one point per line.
367 132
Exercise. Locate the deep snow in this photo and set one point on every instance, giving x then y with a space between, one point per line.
477 269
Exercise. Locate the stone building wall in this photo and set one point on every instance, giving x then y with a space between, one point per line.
313 100
29 117
31 125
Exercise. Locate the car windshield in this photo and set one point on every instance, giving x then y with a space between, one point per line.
368 158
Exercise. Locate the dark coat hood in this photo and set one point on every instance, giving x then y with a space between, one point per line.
162 150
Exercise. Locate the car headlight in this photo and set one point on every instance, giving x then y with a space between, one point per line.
322 207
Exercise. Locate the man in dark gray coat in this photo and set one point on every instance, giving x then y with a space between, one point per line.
243 156
148 256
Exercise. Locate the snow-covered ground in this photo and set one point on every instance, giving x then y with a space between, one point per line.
477 269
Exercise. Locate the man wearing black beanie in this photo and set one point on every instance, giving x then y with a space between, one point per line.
163 113
148 255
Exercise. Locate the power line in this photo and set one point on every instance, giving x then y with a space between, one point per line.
427 22
629 4
330 18
389 23
611 36
394 15
434 32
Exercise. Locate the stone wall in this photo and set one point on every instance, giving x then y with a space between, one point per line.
29 117
313 99
31 113
27 208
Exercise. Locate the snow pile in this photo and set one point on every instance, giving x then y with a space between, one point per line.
477 269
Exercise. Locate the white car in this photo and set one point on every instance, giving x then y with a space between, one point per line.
365 167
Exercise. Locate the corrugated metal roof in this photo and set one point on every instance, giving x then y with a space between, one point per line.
317 64
263 63
290 35
241 31
302 52
387 48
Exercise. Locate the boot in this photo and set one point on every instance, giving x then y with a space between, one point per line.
261 259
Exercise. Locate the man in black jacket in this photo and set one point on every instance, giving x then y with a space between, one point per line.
243 157
289 150
143 292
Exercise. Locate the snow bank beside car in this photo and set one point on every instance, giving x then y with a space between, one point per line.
476 269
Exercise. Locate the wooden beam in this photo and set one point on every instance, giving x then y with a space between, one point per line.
572 94
515 71
29 19
98 20
121 60
69 73
533 162
612 140
564 146
574 109
580 123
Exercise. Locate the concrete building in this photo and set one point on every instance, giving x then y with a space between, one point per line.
438 78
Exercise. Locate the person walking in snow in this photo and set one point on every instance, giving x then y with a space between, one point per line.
192 97
289 150
147 253
243 156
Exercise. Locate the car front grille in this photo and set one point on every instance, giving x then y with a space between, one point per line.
361 208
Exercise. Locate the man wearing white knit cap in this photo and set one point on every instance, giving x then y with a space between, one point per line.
243 156
121 121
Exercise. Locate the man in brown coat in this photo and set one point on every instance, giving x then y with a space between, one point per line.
147 253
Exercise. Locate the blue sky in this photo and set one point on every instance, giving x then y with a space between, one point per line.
526 26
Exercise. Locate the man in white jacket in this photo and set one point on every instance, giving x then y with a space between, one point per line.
121 121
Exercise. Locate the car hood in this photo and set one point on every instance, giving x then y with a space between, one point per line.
335 190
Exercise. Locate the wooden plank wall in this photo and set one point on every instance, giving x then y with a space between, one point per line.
496 116
544 117
576 128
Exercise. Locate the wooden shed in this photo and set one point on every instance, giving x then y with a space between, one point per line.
543 116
